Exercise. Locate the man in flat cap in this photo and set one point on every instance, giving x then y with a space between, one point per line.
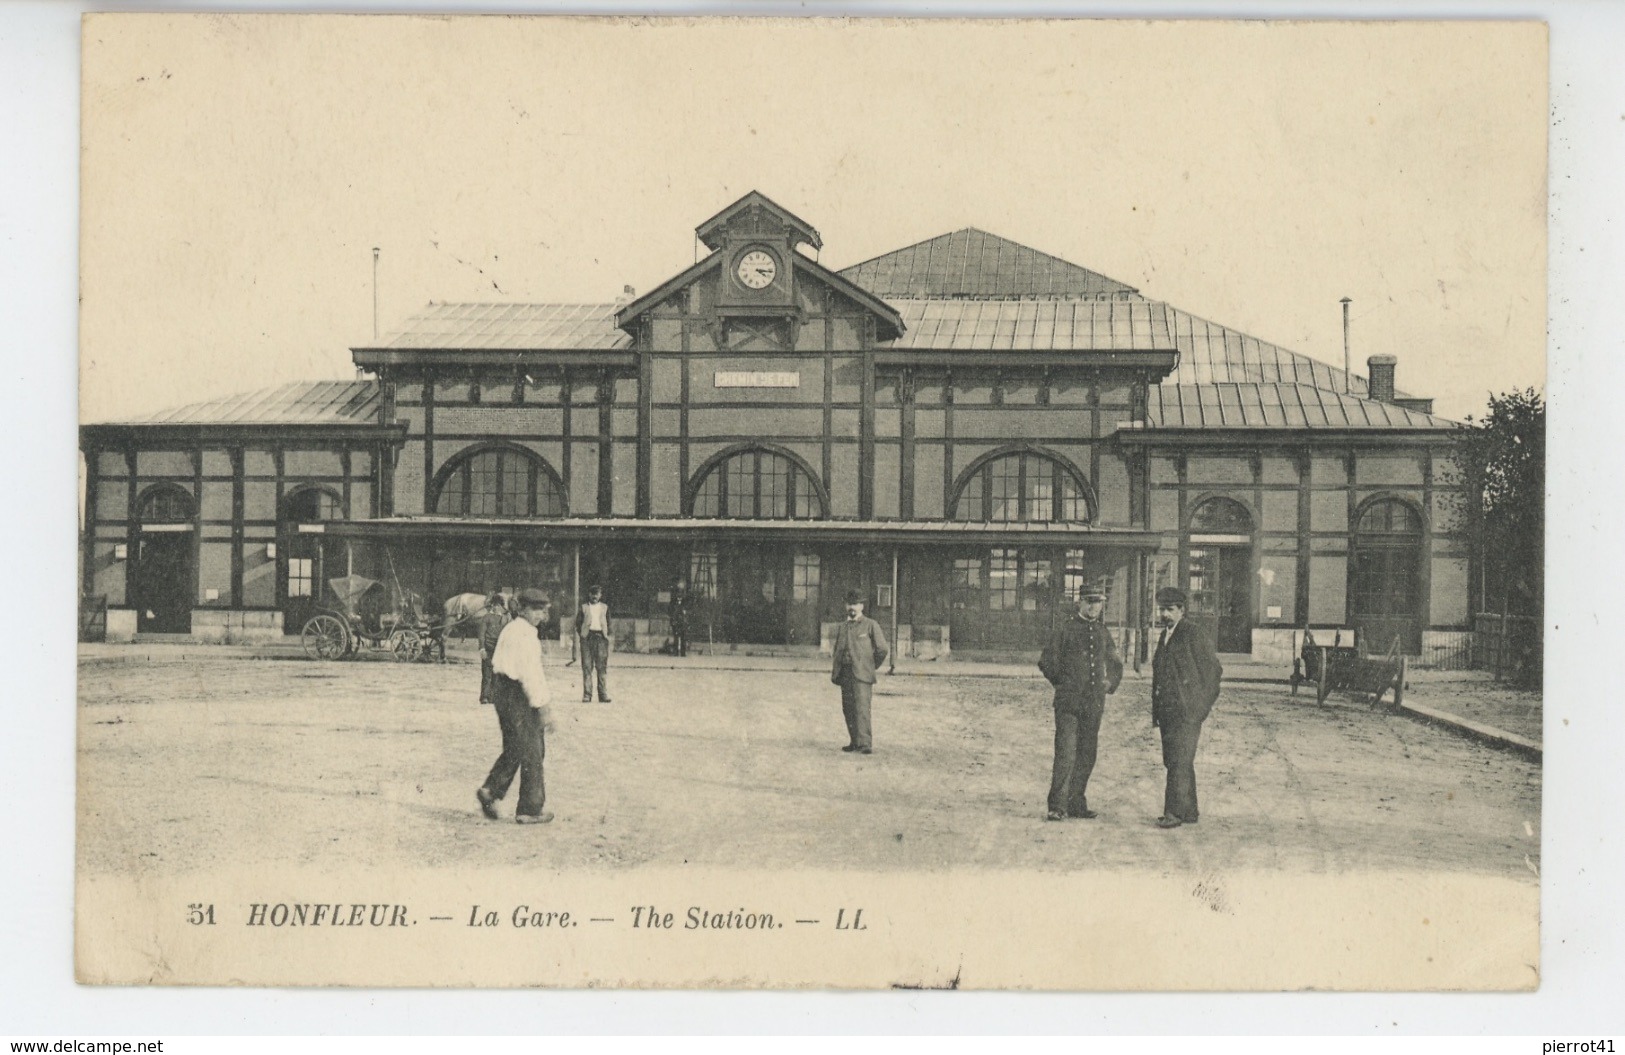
860 647
519 692
1184 686
1081 661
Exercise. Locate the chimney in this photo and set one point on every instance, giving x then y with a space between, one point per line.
1382 377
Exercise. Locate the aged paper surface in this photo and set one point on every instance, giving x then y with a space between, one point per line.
237 172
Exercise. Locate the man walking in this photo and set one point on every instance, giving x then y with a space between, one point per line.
860 647
495 618
592 627
1081 662
519 693
679 619
1185 677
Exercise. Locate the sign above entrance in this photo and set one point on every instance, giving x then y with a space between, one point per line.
758 379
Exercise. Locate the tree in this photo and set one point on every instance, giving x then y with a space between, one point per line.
1504 458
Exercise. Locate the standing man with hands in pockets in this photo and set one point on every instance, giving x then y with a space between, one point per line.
519 692
1185 677
860 647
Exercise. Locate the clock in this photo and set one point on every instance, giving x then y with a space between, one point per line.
757 269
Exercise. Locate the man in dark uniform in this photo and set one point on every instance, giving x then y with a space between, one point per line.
860 647
495 618
1081 662
1185 677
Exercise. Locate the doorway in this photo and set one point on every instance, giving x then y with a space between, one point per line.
754 588
163 582
1220 590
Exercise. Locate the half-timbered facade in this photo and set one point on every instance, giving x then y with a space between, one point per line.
966 430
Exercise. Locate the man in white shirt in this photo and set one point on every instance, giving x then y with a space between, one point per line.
592 626
519 691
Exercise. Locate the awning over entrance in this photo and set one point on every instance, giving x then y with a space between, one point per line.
605 529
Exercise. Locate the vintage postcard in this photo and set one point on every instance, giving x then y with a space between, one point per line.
1028 504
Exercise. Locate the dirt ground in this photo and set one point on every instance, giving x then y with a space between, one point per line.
192 762
1481 699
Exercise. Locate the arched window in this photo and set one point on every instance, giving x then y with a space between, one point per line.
758 484
166 504
498 482
312 505
1385 576
1020 487
1221 516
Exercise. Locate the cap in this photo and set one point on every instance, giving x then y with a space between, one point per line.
854 597
1170 595
1093 594
533 598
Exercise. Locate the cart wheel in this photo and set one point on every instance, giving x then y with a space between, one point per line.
325 638
406 644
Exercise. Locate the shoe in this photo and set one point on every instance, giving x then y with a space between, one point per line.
850 747
1169 822
605 699
866 750
488 803
534 818
1055 815
1087 815
1189 820
586 699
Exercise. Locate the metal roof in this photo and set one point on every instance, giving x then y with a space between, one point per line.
519 327
1210 353
300 403
1064 324
1229 405
973 263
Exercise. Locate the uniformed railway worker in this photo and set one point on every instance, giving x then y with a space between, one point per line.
1081 661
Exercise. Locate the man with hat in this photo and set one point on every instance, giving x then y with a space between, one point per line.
519 692
1185 677
1081 662
860 647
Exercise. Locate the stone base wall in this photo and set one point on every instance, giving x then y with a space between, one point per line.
1441 649
120 625
228 626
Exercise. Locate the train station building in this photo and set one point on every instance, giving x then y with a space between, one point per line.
967 430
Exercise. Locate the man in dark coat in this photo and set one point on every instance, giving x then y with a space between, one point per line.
679 619
1081 662
1184 686
860 647
496 617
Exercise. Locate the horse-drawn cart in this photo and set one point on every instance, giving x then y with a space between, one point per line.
361 616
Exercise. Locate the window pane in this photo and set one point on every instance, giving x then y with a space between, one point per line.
1004 488
483 485
1040 490
452 495
702 573
806 581
167 505
967 582
1390 518
515 497
549 499
1002 583
1074 508
775 487
742 485
1035 585
1221 516
705 500
970 499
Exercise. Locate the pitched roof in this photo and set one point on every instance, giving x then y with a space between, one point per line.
1231 405
515 327
1063 324
973 263
299 403
1210 353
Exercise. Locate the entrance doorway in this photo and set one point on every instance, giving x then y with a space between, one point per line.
754 594
1219 571
163 583
1385 577
1002 598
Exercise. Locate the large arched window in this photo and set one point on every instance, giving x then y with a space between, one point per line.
1221 516
757 484
166 504
498 482
1025 486
1385 575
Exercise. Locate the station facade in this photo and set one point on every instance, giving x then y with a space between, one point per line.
966 430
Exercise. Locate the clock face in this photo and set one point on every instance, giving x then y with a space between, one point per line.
757 269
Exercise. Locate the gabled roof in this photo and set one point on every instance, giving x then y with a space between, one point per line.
709 230
1211 353
299 403
1229 405
1058 324
512 327
973 263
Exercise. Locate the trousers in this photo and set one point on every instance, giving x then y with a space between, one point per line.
1179 755
524 747
485 680
1077 739
855 697
595 660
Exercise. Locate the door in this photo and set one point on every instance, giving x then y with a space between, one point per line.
1002 599
306 579
1385 599
164 583
754 595
1220 591
806 595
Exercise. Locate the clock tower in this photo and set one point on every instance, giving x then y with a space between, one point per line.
757 241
